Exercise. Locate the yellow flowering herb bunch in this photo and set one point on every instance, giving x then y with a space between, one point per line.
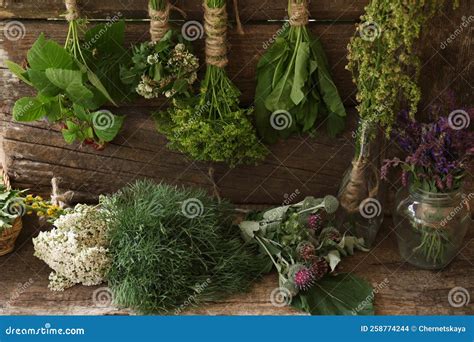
37 205
383 60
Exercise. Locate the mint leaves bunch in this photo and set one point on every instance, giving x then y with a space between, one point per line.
73 82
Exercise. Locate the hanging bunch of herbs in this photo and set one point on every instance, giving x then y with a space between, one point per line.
172 248
294 86
213 127
383 60
73 82
165 66
305 249
385 68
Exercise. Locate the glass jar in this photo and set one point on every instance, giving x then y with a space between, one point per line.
430 227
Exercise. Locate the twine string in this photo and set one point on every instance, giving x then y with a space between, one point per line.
159 22
215 25
299 13
240 29
72 10
62 200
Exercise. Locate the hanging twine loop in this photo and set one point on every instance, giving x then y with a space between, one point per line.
215 187
72 10
215 24
240 29
159 22
62 200
299 13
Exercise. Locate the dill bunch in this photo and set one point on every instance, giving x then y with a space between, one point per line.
213 127
172 248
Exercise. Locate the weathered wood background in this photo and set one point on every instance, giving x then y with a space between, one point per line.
33 153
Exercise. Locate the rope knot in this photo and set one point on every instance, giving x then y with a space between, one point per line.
158 22
72 10
299 13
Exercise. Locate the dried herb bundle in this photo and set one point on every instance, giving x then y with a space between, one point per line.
171 248
213 127
74 81
165 66
294 86
305 249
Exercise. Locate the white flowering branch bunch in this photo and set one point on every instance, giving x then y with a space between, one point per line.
76 249
166 68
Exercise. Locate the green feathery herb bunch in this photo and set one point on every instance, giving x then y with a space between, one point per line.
383 61
171 248
294 86
213 127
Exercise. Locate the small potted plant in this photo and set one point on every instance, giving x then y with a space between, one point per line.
432 218
12 209
14 204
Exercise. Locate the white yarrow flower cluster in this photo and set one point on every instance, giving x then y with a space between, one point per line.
76 249
182 65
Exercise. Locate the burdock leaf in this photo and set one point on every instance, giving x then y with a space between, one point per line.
333 258
276 213
344 294
248 229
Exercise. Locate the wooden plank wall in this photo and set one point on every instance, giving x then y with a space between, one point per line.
33 153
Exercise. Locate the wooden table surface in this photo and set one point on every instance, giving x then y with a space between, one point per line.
401 289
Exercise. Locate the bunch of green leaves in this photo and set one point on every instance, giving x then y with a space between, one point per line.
383 59
280 233
213 127
293 78
171 246
74 81
164 68
12 206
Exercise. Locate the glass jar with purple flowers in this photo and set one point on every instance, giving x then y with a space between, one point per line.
430 226
432 219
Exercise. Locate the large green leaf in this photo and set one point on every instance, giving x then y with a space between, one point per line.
63 78
344 294
42 83
106 125
275 53
28 109
96 82
326 86
81 95
105 54
45 54
18 71
262 114
106 37
301 73
71 82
